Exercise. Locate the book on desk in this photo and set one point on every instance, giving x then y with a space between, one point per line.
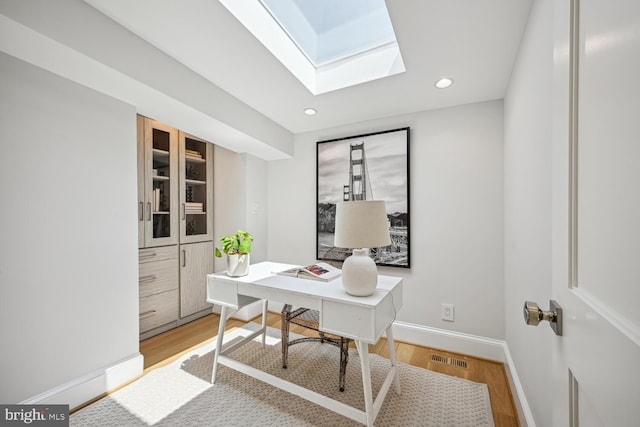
318 271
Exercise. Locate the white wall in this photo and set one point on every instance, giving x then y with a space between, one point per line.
528 106
240 199
256 202
456 213
229 196
240 202
68 251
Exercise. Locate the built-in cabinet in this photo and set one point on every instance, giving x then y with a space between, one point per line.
175 225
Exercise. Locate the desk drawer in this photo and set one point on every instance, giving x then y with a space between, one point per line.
156 310
158 276
366 323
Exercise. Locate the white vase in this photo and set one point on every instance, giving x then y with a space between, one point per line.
359 274
238 265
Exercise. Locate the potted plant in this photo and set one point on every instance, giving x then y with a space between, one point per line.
238 248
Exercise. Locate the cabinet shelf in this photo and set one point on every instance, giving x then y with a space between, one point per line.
161 158
195 160
161 178
195 182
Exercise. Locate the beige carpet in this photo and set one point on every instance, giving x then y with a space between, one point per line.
180 394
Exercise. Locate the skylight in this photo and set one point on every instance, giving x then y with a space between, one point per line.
329 30
327 44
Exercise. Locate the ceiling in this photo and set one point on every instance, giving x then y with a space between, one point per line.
473 41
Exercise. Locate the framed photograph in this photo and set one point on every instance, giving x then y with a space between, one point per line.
372 166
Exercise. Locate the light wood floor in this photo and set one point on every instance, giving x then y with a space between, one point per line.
167 347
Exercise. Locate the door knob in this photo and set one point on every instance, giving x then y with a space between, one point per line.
533 315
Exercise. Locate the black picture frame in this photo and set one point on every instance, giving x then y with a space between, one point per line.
372 166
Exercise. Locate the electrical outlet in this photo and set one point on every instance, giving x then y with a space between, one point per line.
447 312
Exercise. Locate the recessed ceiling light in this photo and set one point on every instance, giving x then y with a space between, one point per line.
310 111
444 83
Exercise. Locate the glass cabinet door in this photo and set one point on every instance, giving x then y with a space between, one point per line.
161 173
196 189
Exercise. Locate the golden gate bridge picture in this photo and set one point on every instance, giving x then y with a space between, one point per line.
365 167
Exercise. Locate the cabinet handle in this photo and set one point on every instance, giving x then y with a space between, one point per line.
147 255
147 279
141 211
184 211
147 314
148 211
184 258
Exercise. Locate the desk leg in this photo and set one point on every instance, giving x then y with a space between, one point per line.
265 305
363 351
392 356
221 328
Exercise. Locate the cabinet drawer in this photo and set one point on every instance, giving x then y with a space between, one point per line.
156 310
158 276
157 254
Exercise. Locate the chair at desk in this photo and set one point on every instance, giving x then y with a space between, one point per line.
310 319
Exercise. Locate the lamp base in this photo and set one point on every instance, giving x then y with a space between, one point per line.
359 274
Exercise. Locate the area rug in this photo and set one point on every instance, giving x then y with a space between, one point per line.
180 393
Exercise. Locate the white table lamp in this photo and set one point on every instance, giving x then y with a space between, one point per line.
361 225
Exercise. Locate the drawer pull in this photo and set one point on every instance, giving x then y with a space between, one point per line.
146 279
147 314
148 255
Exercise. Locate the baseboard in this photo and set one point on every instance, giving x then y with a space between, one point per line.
83 389
473 345
522 405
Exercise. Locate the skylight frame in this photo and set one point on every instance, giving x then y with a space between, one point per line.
373 64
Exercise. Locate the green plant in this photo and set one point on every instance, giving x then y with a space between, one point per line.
235 244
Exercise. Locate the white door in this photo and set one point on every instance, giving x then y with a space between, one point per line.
596 212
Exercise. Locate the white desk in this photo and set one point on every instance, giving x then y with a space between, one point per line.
363 319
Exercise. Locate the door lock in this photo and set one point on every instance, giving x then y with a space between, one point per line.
533 315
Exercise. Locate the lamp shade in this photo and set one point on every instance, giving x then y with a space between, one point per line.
361 224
